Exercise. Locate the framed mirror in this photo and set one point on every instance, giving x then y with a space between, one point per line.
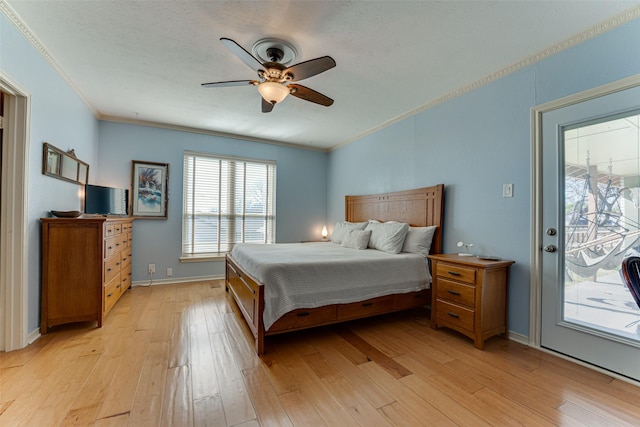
65 166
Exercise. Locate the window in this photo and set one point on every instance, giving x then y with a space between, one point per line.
226 201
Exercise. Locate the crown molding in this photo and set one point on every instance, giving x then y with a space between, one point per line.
245 138
41 48
603 27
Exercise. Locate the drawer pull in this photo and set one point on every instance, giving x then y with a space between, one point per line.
109 269
110 294
453 315
452 292
117 244
110 247
117 286
117 263
303 314
367 304
453 273
124 259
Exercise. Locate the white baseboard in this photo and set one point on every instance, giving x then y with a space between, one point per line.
519 338
176 280
34 335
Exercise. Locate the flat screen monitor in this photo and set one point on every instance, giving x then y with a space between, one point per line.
100 200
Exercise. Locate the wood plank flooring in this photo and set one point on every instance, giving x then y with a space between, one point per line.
179 355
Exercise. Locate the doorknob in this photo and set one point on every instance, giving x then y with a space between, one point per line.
550 248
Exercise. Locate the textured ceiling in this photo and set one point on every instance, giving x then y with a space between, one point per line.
145 60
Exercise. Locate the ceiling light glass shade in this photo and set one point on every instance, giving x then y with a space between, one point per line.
273 92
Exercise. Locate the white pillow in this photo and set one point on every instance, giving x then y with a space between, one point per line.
418 240
387 237
341 229
357 239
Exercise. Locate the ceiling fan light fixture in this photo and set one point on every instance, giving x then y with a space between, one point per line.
273 92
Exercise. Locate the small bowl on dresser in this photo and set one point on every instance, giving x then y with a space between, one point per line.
66 214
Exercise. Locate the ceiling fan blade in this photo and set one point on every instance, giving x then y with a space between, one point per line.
230 83
241 53
310 68
266 106
307 94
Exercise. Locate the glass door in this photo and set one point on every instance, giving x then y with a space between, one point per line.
591 207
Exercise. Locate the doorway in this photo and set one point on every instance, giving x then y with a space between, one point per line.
14 215
588 210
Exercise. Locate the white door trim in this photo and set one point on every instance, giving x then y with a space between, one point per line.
14 229
535 308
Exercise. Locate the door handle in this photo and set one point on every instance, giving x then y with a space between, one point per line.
550 248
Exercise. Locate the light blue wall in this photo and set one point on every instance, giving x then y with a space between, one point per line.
475 143
58 116
300 190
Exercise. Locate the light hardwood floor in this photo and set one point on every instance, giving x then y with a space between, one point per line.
179 355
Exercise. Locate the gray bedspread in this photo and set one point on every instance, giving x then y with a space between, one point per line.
310 275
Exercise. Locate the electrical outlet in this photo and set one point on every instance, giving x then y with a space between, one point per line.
152 268
169 272
507 190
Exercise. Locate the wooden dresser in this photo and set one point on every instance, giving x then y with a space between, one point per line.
86 267
469 295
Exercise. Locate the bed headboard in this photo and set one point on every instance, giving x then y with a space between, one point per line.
419 208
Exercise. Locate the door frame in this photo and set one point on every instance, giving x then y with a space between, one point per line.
535 309
14 283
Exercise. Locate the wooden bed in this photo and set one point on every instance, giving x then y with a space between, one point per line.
419 208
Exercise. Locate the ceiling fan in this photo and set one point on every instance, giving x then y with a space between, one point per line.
275 78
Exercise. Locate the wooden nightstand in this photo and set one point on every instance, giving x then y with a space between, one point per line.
469 295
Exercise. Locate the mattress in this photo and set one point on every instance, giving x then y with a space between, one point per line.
310 275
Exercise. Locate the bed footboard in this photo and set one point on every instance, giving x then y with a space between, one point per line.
249 296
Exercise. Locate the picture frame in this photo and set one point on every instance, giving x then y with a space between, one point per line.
149 189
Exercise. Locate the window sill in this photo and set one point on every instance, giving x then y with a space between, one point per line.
203 258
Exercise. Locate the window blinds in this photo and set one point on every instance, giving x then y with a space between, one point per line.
226 201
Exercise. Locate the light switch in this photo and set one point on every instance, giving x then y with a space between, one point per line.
507 190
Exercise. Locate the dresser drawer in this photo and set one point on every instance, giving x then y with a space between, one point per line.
109 230
112 267
111 293
110 247
126 257
117 228
125 278
456 292
455 314
456 272
121 242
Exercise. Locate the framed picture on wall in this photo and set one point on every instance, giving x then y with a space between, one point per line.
149 189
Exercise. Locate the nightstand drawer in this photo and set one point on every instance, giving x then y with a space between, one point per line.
455 314
456 292
456 272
